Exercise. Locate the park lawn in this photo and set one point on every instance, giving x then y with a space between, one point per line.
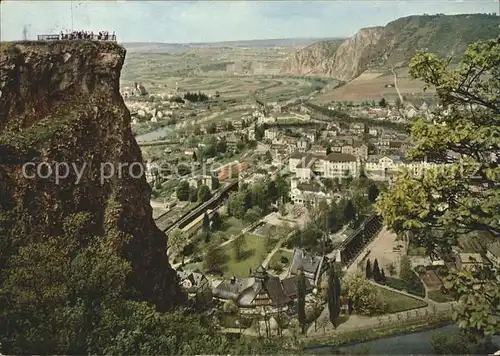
439 297
231 226
397 302
253 251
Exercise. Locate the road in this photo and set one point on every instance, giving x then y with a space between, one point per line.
396 84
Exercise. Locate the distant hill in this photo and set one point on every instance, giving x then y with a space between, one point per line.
146 47
392 45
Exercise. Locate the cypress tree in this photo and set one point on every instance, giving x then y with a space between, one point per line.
376 271
206 227
301 300
369 271
382 276
333 297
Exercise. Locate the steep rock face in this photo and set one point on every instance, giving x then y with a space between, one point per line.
60 103
392 45
311 60
354 54
339 59
446 35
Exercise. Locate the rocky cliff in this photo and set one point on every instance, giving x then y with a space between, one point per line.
60 104
392 45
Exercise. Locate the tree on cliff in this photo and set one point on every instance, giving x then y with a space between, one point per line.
462 196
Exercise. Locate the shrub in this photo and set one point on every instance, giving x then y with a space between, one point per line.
284 260
420 269
442 271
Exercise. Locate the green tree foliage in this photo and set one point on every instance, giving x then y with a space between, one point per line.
373 192
67 294
177 240
182 191
368 270
464 195
398 103
405 271
301 300
230 307
193 194
382 276
333 295
195 97
259 132
349 211
212 128
377 276
366 300
463 343
203 193
238 243
253 215
478 295
205 227
214 258
216 221
382 103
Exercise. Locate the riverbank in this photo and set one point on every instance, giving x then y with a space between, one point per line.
397 328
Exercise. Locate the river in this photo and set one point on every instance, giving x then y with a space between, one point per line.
154 135
416 343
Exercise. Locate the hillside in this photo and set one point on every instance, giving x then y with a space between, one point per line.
152 47
392 45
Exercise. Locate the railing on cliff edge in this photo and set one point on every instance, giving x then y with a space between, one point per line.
94 37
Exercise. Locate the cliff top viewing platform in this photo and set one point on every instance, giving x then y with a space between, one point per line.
79 35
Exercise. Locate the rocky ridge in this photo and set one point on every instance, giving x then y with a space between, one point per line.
392 45
60 102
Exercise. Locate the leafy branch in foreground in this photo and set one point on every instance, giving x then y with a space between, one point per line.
462 194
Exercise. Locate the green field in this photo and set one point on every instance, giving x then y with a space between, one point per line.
397 302
254 253
438 296
234 73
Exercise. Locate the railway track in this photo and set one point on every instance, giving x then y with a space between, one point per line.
166 224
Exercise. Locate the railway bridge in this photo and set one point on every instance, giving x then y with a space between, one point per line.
191 215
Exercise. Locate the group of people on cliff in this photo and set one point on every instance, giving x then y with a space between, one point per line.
86 35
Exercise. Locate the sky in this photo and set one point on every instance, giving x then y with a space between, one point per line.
211 21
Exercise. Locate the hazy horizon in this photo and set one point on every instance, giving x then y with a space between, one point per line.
183 22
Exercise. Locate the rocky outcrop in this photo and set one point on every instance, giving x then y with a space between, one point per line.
313 59
342 60
392 45
60 104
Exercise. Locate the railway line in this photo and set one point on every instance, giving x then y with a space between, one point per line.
168 221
